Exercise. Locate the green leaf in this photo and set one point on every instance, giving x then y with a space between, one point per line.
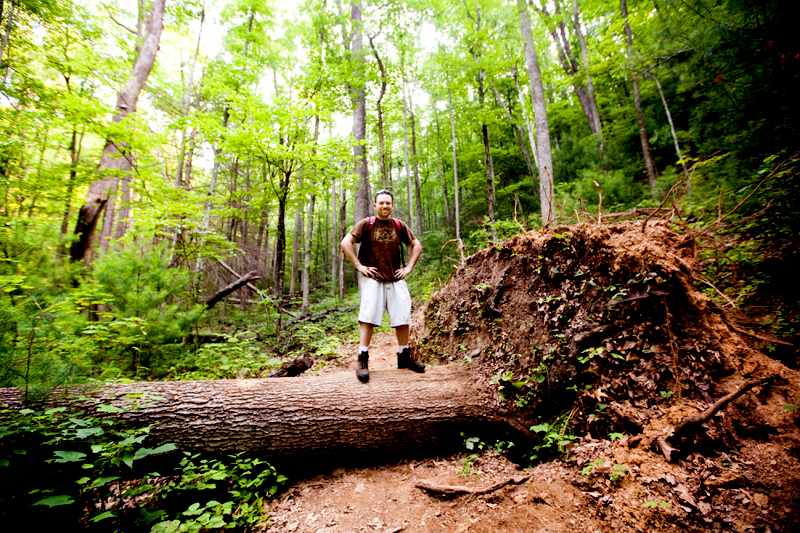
144 452
3 462
789 407
55 501
108 409
541 428
88 432
192 510
103 516
103 480
615 436
83 480
127 458
68 457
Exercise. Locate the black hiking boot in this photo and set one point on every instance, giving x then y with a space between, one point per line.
404 360
362 368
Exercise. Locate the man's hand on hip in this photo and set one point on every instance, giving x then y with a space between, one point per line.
369 272
401 273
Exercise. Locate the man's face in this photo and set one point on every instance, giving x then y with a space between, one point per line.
383 206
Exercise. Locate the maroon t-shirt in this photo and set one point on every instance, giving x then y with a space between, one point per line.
383 250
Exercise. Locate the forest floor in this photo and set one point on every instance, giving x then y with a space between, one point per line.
754 490
739 472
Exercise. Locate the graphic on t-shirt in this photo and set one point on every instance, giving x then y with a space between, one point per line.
385 234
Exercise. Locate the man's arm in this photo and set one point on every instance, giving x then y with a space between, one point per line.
347 246
415 250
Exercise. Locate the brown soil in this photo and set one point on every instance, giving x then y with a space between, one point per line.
601 327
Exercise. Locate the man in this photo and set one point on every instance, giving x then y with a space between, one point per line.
383 287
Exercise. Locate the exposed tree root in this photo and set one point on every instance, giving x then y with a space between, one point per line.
689 426
456 490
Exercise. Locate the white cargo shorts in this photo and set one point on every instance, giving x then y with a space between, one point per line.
380 296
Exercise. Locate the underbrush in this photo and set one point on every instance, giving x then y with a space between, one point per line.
74 471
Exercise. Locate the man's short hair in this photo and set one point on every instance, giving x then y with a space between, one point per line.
383 191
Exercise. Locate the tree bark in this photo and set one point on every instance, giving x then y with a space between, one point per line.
306 286
363 205
455 167
637 102
298 231
407 163
525 153
7 33
447 216
576 19
417 193
116 156
379 108
545 156
306 417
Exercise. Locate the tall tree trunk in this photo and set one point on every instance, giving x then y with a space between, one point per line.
363 205
637 102
487 152
671 124
528 126
75 146
568 62
418 199
307 254
280 237
455 165
7 33
525 153
597 126
545 156
298 230
187 102
379 107
448 218
409 197
116 155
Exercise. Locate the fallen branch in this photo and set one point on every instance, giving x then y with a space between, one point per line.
318 315
225 291
456 490
249 285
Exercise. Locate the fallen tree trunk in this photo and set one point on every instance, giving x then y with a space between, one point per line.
396 413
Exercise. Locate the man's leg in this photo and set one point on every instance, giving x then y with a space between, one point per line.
365 333
370 312
402 334
399 306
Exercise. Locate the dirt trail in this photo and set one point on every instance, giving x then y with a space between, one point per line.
606 325
386 499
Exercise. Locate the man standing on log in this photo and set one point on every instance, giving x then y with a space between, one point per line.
383 287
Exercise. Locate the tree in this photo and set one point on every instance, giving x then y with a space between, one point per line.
117 159
637 101
544 156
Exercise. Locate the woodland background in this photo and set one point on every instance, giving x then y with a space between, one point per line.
144 169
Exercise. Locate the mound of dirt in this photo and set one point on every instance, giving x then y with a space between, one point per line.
591 331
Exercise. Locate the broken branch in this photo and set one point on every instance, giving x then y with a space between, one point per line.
456 490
